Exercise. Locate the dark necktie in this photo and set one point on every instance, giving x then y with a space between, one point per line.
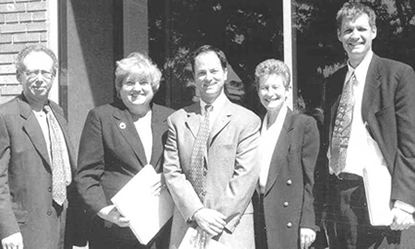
342 128
197 159
58 159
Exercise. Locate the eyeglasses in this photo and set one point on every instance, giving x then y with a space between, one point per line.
35 73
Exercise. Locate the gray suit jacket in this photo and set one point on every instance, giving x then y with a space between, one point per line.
231 174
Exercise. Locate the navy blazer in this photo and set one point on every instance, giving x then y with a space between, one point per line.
111 153
288 198
26 203
388 111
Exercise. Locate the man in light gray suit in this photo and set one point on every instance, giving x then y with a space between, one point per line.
212 193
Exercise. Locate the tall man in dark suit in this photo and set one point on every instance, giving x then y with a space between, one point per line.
211 165
370 123
36 158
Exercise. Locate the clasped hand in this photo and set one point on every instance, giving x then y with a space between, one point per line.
210 221
111 214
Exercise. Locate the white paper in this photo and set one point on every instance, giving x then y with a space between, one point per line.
192 241
378 183
144 205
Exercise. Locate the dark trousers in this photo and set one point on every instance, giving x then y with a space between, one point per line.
101 238
61 213
348 218
261 241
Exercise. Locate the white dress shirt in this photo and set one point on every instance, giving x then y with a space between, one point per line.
143 127
363 151
43 122
215 110
41 119
268 141
357 148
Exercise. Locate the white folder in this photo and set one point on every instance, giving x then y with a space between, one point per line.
192 241
378 183
142 202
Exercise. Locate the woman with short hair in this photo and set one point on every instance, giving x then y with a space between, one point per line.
117 141
284 214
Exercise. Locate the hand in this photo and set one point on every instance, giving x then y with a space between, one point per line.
111 214
307 237
14 241
401 220
157 188
210 221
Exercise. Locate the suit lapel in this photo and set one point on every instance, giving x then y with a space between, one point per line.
32 128
278 160
124 123
371 98
193 118
222 119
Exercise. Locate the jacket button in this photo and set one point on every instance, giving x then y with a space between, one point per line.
50 189
289 182
49 213
204 172
289 224
285 204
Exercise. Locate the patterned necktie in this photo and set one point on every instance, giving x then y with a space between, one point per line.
198 153
342 128
58 159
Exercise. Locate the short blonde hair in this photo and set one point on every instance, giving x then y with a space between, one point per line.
146 69
273 66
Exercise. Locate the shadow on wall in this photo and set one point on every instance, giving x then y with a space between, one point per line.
90 39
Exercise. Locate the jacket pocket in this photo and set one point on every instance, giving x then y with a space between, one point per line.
21 216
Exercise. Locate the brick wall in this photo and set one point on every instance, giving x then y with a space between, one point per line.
22 22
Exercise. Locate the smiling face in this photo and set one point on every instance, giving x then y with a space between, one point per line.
272 92
136 91
37 77
209 76
357 36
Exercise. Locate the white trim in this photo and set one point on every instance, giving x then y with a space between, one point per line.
53 42
288 46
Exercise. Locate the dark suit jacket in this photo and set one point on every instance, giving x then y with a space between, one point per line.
388 110
111 153
288 197
26 177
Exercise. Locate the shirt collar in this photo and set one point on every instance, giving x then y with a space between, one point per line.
217 104
361 70
280 118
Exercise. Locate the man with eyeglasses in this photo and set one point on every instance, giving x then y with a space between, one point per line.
36 158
